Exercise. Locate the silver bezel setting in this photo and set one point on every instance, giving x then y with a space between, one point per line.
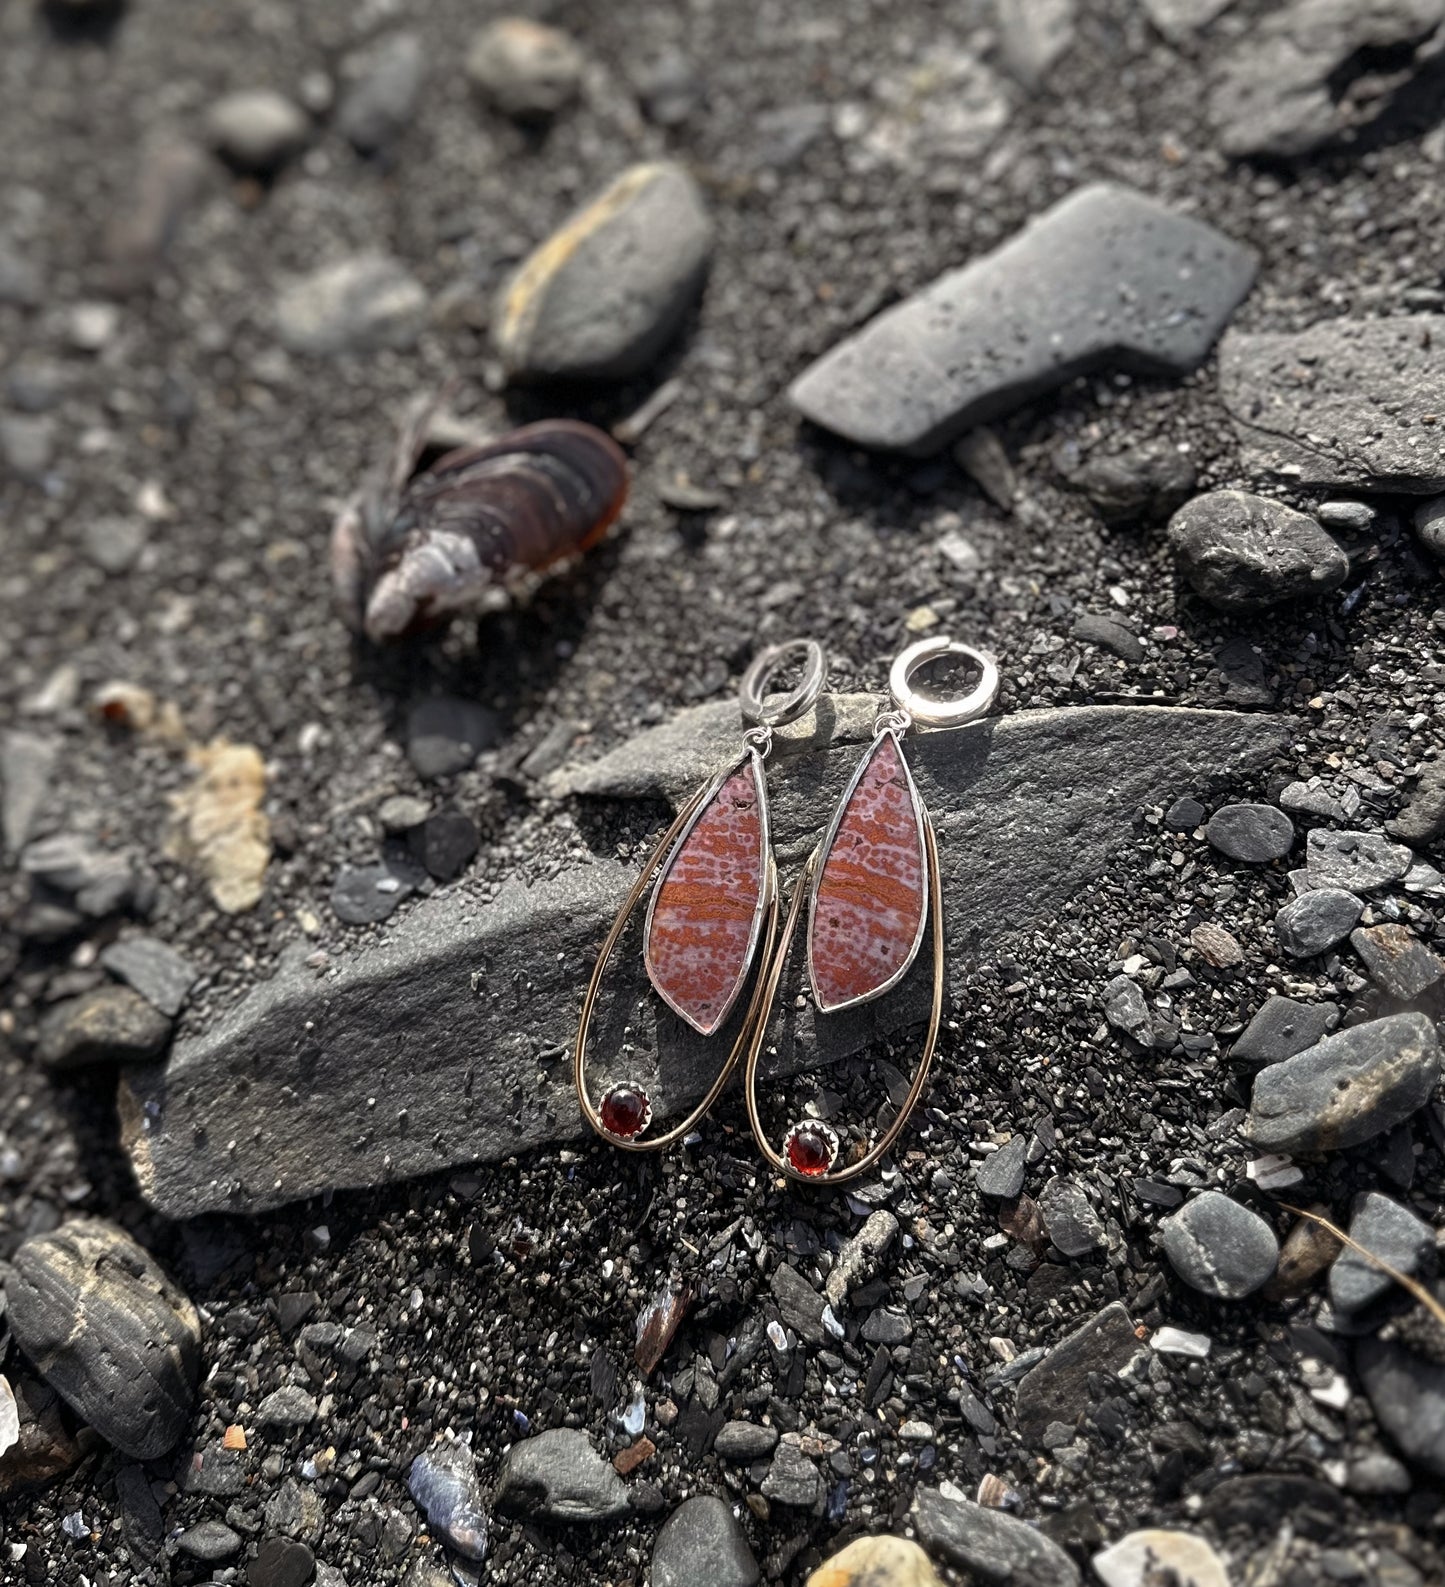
829 1134
920 816
644 1093
752 760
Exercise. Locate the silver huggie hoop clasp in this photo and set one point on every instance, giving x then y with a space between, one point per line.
768 711
929 712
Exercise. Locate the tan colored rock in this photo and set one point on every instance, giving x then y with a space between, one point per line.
1143 1559
221 829
877 1562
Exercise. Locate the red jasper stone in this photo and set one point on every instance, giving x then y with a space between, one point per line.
701 928
810 1149
867 914
625 1111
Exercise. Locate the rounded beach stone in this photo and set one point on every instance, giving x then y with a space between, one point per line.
1219 1247
1253 833
1316 921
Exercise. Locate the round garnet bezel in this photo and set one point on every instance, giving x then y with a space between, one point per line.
618 1129
793 1148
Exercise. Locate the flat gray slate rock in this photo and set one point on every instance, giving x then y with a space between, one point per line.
458 1026
1282 91
1105 279
1342 403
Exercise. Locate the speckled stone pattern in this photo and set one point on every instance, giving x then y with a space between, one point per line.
708 896
870 899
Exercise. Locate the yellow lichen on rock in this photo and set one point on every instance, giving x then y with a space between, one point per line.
877 1562
221 829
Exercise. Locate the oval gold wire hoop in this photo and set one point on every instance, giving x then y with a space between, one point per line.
769 982
589 1002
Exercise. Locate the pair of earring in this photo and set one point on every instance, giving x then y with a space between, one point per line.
871 886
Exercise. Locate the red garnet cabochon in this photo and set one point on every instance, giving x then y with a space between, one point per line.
625 1111
870 900
707 902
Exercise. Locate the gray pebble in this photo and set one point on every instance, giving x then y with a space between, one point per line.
112 1024
445 734
559 1476
1399 963
1348 1088
1001 1173
602 297
1243 553
1282 1028
1430 526
384 84
257 129
989 1546
1378 1473
1029 317
1310 799
114 544
1219 1247
210 1542
1407 1394
1070 1218
1145 482
701 1541
27 763
400 813
20 284
1394 1234
1056 1388
793 1479
1255 834
445 843
1422 821
744 1442
109 1331
1112 636
288 1406
1185 815
1360 862
357 305
1356 515
364 895
800 1305
1316 920
27 445
525 69
161 975
886 1326
281 1562
1126 1010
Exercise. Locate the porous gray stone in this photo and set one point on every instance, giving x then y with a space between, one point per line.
559 1476
1422 820
1243 553
111 1024
1281 91
1029 806
1253 833
525 69
990 1547
162 976
1359 862
384 82
257 129
1391 1232
1284 1027
358 305
1220 1247
1348 1088
701 1541
1316 920
601 297
109 1332
793 1479
1340 404
1029 317
1407 1394
1057 1389
1399 963
1001 1173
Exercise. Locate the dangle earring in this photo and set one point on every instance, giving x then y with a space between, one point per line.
871 886
714 898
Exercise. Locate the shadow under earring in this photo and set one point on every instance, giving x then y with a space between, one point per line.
872 886
714 900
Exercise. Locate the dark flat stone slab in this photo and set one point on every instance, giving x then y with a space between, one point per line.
1342 403
1107 278
448 1043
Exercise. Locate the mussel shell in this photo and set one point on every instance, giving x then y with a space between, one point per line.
480 515
443 1482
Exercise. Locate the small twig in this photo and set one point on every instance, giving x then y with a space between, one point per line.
1415 1287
